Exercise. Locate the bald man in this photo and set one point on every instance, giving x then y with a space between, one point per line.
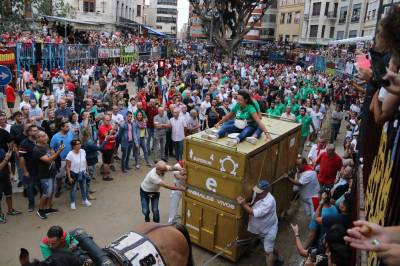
150 189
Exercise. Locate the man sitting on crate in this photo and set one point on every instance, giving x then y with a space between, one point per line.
263 220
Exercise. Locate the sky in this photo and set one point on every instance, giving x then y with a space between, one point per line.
183 13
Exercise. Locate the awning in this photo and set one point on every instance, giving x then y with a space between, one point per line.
352 40
153 31
68 20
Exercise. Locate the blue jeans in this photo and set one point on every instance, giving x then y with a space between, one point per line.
145 199
229 127
30 183
126 152
150 136
178 147
142 144
82 186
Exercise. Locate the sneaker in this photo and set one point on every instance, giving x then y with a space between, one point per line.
137 166
13 212
212 137
108 178
91 197
87 203
41 214
73 206
51 210
31 208
124 171
251 140
232 142
91 190
3 219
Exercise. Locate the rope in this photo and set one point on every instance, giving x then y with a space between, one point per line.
237 242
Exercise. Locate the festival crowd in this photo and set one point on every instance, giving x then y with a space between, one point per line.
55 129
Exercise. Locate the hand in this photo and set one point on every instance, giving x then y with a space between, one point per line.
394 80
8 155
62 147
390 254
295 228
365 73
70 181
324 196
240 200
363 235
181 188
267 135
285 175
217 125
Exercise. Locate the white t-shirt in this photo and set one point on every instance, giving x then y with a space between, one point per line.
151 182
78 161
85 79
310 186
316 118
203 108
314 152
264 218
117 119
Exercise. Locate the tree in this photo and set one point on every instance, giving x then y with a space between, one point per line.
54 8
228 21
11 15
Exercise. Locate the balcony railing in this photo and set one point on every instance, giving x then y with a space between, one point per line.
355 19
332 15
314 40
342 20
306 16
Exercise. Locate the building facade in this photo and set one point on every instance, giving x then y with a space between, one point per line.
351 18
290 19
162 15
110 15
265 29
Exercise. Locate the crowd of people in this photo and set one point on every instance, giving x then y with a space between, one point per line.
56 127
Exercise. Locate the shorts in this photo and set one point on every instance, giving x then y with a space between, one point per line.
10 105
107 156
269 241
47 186
5 188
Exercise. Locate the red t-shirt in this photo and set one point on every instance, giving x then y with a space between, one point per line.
329 166
103 132
10 94
151 112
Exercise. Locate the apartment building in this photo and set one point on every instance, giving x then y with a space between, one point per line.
290 19
162 15
265 29
351 17
108 14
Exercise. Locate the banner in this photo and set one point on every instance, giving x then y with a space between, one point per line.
129 54
7 56
108 53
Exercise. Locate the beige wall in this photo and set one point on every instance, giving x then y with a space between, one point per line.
292 29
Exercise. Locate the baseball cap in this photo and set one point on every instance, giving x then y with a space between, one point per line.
261 186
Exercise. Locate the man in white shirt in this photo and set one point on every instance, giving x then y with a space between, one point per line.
203 108
307 182
150 190
288 116
316 150
263 220
178 126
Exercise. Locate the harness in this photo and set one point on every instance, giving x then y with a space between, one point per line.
134 249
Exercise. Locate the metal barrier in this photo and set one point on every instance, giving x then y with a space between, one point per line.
53 56
78 53
25 56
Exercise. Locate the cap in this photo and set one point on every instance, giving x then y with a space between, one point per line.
261 187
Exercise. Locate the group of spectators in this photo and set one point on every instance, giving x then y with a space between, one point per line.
52 139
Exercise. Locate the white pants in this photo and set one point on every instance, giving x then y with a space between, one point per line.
175 196
307 205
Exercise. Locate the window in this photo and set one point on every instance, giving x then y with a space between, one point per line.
326 9
297 18
122 9
352 33
331 32
343 15
355 16
313 31
287 38
323 31
335 9
268 32
166 19
289 18
269 18
339 35
282 18
89 5
316 9
168 11
138 10
173 28
167 2
158 27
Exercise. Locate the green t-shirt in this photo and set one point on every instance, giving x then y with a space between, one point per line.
281 108
305 122
295 108
274 112
244 113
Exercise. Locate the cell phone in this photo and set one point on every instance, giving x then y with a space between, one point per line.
379 67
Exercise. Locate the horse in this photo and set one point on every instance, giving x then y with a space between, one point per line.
172 241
